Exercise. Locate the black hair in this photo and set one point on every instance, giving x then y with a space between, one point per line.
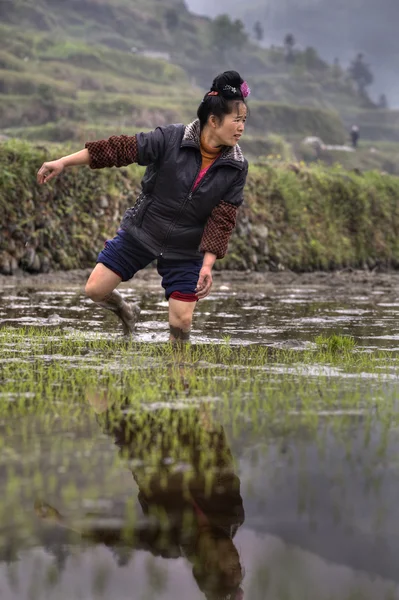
229 95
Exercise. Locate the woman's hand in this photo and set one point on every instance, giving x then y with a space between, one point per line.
204 282
49 170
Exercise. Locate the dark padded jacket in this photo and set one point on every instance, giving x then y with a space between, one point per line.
170 218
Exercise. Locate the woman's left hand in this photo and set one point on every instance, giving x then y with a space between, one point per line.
204 283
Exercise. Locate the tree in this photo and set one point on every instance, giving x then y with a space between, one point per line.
361 73
289 43
313 61
227 34
259 31
172 18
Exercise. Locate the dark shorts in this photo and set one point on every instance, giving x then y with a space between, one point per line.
125 256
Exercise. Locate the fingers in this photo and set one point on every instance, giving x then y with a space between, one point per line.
40 177
200 283
204 293
43 174
204 287
47 172
204 284
51 175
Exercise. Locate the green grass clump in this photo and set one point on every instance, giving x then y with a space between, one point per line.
336 344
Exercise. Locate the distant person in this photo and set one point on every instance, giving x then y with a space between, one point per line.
355 135
186 211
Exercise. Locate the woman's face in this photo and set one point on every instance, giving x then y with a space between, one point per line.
230 130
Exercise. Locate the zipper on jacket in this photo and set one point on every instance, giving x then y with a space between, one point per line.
187 199
193 191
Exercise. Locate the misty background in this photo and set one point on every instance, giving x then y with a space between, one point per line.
336 28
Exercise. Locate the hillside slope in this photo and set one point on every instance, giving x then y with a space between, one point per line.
336 28
82 68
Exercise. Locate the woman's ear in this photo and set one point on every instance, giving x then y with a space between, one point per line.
213 121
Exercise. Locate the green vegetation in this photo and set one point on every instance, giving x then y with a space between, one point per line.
105 116
58 363
306 218
336 344
39 227
130 72
294 121
163 402
295 217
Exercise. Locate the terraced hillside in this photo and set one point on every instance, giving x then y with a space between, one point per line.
82 69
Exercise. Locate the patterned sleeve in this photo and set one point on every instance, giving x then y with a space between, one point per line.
218 229
222 221
122 150
117 151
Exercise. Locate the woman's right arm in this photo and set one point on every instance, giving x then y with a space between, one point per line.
51 169
117 151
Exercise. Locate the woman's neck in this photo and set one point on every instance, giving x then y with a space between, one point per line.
209 139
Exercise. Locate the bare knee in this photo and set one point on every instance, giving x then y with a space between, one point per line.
182 322
101 283
94 292
180 318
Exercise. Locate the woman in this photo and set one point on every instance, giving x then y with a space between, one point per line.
186 211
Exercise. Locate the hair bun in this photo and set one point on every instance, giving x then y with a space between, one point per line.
228 84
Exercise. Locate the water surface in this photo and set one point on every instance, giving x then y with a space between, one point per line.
196 487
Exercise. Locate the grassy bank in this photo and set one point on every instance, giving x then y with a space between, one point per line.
295 217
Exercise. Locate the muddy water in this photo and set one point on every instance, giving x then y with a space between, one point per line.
309 513
278 309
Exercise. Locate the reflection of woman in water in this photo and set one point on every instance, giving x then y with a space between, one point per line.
187 488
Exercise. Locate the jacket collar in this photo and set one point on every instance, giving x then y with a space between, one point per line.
231 155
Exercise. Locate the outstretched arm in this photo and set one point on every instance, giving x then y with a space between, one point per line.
51 169
117 151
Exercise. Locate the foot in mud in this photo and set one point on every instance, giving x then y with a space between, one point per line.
178 336
128 314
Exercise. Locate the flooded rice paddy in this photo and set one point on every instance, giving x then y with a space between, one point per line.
259 463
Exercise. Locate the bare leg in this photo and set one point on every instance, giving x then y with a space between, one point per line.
180 319
101 289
